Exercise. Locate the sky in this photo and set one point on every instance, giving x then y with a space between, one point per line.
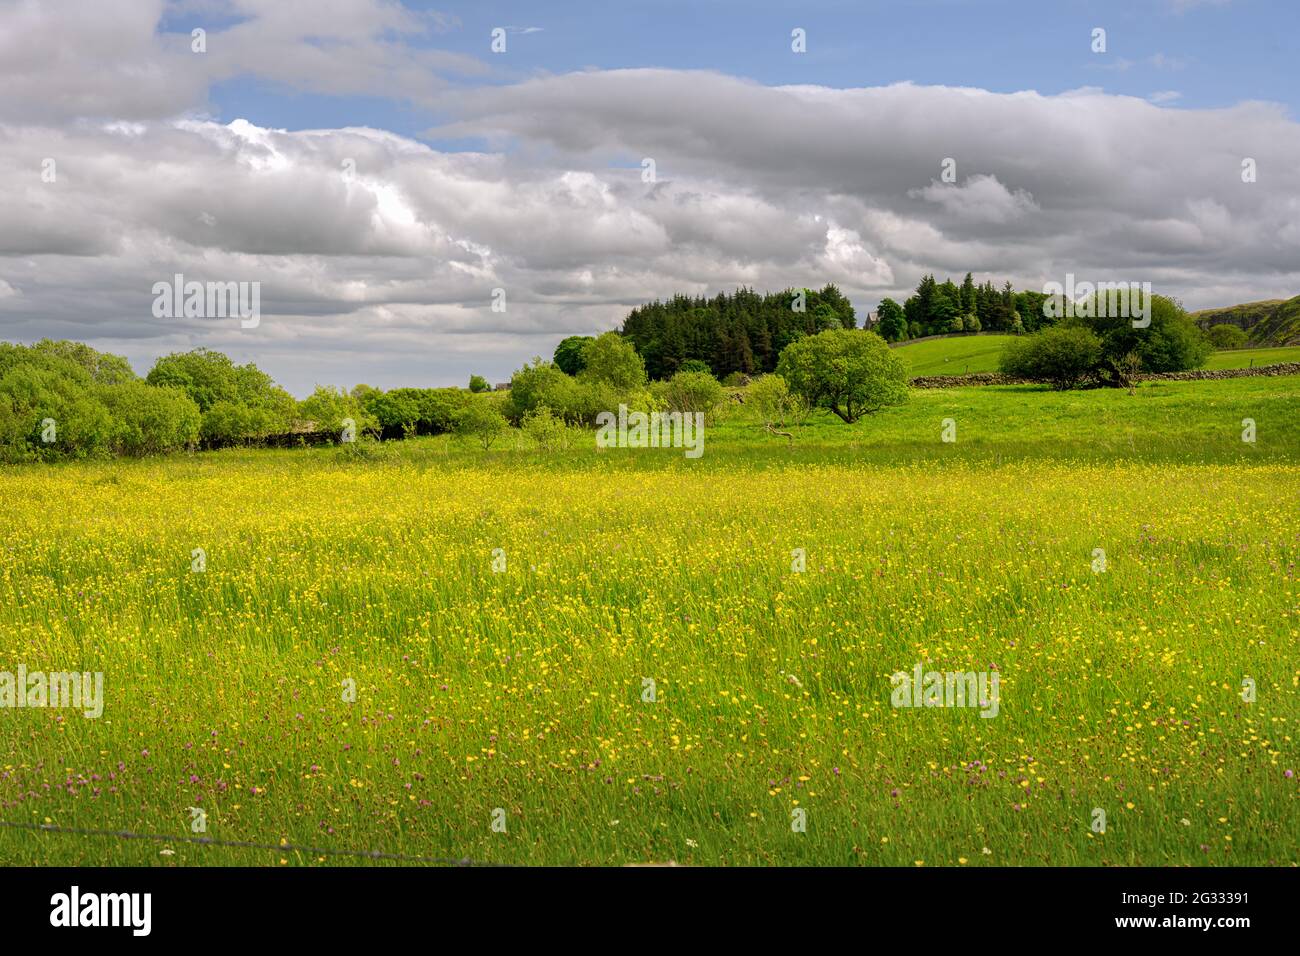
416 206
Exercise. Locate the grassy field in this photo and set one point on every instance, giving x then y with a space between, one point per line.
525 689
979 353
958 355
1243 358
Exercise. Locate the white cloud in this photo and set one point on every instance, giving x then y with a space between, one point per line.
980 198
377 254
848 261
108 58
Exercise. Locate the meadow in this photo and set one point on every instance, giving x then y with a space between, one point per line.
965 354
526 688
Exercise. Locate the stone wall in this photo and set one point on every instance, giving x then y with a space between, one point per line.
1281 368
974 378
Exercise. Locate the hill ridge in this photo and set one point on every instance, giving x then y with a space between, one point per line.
1267 322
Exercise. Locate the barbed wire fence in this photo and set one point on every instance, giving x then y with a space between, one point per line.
250 845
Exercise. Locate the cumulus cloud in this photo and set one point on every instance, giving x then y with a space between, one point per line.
1083 176
63 59
371 243
981 198
378 253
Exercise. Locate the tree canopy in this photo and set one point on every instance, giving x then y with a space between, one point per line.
568 354
737 332
850 372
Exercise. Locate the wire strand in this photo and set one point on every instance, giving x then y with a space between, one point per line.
249 845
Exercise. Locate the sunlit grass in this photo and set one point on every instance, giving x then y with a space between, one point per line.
959 355
523 689
967 354
1245 358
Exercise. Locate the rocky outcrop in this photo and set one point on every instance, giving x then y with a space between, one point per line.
1270 322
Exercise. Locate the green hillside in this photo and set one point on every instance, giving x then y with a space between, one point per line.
955 356
979 353
1244 358
1270 322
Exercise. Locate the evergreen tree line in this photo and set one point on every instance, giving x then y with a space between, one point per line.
940 308
743 331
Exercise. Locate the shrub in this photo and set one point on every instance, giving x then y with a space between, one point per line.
252 406
542 383
84 428
1226 337
545 429
848 371
205 376
363 450
1116 349
225 423
413 411
437 410
611 359
103 368
1059 354
482 421
770 397
1170 343
66 400
602 387
394 413
327 408
47 388
695 365
693 392
150 420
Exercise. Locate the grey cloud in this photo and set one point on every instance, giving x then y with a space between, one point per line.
1091 162
377 254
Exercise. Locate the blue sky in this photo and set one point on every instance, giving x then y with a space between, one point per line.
1212 54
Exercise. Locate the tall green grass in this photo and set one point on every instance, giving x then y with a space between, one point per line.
526 689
